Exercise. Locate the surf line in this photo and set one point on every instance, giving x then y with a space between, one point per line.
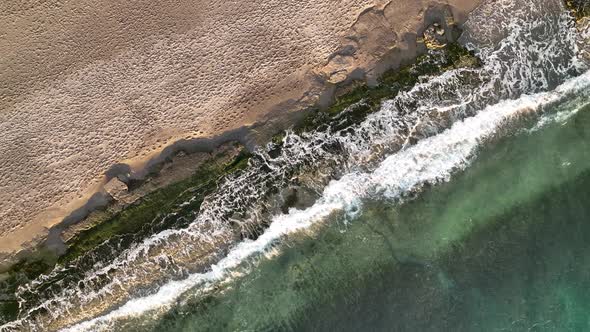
432 160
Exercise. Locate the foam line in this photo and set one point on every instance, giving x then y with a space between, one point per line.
431 161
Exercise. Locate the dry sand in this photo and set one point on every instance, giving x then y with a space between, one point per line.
87 84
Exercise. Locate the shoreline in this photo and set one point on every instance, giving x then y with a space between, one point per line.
327 85
66 237
191 205
118 229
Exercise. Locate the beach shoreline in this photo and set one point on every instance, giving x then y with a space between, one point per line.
381 37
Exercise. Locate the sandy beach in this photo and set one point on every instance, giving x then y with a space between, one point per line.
86 85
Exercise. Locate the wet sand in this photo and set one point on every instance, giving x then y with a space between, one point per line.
88 85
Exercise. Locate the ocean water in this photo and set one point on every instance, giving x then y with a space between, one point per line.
460 205
502 246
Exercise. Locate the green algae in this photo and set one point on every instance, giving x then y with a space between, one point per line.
138 220
354 105
157 204
40 262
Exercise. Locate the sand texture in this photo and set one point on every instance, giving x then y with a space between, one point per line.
88 84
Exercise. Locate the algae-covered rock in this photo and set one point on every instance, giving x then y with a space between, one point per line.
134 222
361 100
579 8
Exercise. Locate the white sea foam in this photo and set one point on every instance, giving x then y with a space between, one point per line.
431 161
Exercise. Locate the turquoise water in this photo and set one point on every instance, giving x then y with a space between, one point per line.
503 246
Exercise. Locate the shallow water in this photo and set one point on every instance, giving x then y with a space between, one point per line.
501 247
